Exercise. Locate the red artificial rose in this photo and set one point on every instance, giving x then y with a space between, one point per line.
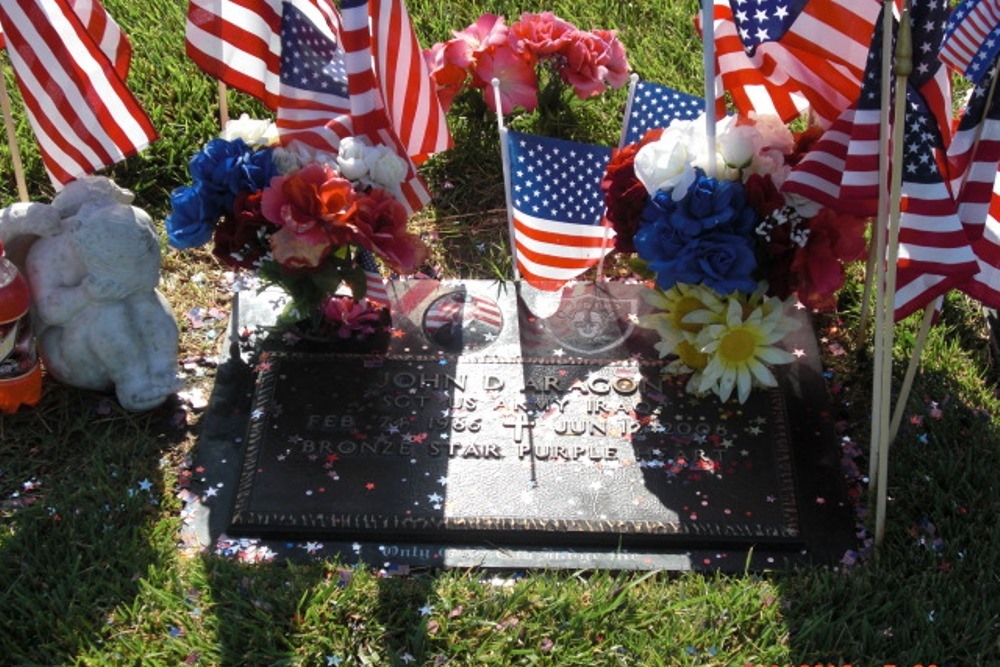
380 226
624 194
763 195
315 195
238 239
818 266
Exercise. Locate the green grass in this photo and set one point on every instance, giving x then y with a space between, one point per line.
90 568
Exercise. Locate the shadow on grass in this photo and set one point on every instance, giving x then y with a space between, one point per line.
80 484
316 613
929 595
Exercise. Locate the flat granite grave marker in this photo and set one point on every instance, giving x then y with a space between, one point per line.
484 430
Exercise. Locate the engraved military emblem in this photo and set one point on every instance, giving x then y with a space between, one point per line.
459 321
592 323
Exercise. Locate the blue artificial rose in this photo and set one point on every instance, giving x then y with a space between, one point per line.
723 261
658 241
253 172
192 219
712 205
213 166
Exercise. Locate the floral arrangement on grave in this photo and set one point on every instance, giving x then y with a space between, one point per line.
538 47
301 219
729 254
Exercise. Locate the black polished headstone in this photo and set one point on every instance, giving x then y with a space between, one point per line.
495 418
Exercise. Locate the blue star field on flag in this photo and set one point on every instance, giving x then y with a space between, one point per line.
768 22
557 180
310 61
655 106
972 38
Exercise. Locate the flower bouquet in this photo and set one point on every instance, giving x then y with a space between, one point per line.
729 253
302 219
587 61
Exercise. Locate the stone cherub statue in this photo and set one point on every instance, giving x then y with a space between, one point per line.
93 263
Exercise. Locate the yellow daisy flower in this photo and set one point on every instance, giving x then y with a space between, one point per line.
740 347
674 324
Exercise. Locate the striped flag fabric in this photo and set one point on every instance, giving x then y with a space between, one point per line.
974 154
784 58
70 60
653 106
557 207
984 286
409 93
972 38
845 159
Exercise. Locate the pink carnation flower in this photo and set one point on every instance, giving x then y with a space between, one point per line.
486 34
586 68
517 76
542 34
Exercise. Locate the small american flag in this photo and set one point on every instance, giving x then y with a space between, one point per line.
293 54
557 206
973 155
652 106
782 58
70 61
972 38
375 288
934 250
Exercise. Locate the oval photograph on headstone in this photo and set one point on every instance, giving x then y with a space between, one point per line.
459 321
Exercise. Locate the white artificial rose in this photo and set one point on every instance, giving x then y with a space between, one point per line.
291 157
385 168
351 159
254 132
736 144
664 164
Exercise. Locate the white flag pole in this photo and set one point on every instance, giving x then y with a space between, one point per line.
505 159
708 52
633 79
15 152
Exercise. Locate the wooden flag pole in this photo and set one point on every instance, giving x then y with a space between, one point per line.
876 256
223 106
904 66
505 160
911 369
15 152
708 53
